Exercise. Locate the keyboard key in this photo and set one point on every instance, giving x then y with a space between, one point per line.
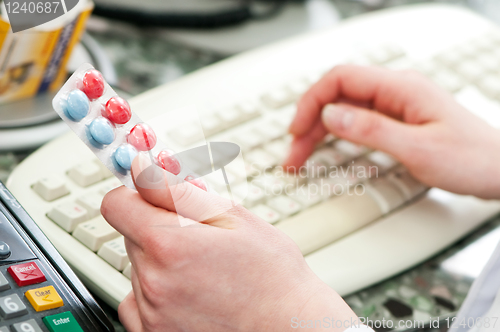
187 134
110 185
382 160
279 149
211 124
68 215
248 139
271 185
92 203
248 110
266 213
254 194
388 196
406 183
94 233
448 80
27 326
105 172
278 98
488 61
308 195
44 298
11 306
351 150
128 271
229 116
470 70
258 159
26 274
4 250
51 187
384 54
4 284
490 86
329 157
86 174
284 205
63 322
450 58
330 220
299 87
269 130
115 253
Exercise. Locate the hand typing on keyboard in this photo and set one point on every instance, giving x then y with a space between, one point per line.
236 272
441 143
231 272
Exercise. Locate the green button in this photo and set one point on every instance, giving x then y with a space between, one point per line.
62 322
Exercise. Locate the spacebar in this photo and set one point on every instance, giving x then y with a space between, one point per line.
327 222
399 241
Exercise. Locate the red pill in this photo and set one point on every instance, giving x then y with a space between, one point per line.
142 137
168 162
197 182
117 110
93 84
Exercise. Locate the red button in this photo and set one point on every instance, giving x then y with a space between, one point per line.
26 274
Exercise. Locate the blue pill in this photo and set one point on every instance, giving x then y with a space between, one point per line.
101 131
77 105
124 156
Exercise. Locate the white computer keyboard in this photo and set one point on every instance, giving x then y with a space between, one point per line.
350 241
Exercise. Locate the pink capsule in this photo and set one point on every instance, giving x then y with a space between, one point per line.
117 110
197 182
93 84
142 137
169 162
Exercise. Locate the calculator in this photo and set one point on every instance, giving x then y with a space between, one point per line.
38 290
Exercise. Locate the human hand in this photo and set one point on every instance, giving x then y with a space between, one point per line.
232 272
440 142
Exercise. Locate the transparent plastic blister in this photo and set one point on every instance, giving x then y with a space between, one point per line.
107 125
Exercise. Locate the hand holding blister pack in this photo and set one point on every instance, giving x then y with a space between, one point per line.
106 124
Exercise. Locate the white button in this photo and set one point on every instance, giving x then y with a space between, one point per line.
128 271
428 68
115 253
248 110
91 202
68 215
254 195
248 139
299 87
387 196
329 156
271 185
383 161
284 205
86 174
278 149
490 86
350 149
470 70
187 134
211 124
110 185
277 98
51 187
266 213
406 183
450 58
229 116
259 159
95 232
106 173
448 80
308 195
488 61
269 130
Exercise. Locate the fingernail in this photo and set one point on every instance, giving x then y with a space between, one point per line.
338 117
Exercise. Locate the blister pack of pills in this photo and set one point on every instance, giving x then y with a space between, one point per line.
106 124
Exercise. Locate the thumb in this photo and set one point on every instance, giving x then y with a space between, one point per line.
369 128
165 190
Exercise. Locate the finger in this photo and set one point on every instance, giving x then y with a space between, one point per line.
135 218
128 313
165 190
370 128
302 147
390 92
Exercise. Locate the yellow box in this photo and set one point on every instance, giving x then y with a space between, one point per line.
34 61
44 298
